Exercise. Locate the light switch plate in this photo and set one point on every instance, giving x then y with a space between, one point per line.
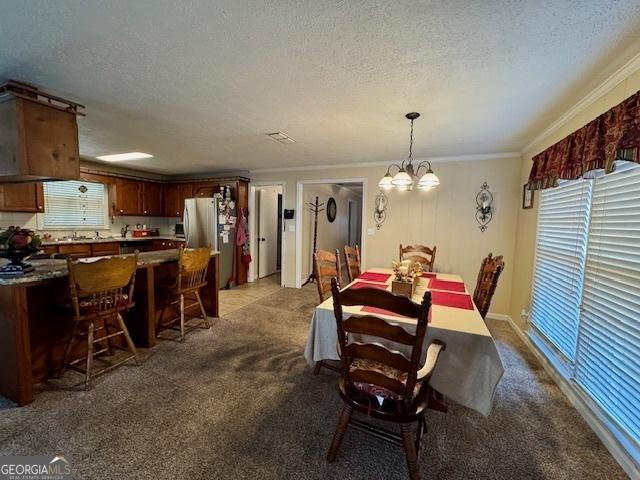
292 228
371 232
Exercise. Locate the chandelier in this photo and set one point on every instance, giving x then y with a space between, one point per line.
407 176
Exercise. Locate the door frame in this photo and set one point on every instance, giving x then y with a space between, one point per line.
252 275
300 206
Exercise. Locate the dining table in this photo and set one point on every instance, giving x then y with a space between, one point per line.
469 369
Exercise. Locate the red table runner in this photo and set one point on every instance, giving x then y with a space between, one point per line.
374 277
357 285
428 275
450 299
436 284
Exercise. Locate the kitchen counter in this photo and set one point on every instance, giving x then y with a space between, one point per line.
48 269
35 325
111 240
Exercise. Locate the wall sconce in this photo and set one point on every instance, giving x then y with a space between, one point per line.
380 211
484 209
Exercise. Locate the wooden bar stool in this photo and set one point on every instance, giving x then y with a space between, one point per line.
192 272
100 291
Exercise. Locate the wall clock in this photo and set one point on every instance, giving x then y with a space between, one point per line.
332 210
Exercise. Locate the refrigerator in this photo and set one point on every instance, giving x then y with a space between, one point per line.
202 229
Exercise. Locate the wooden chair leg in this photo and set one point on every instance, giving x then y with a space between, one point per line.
127 337
317 367
204 314
164 308
182 317
409 442
87 378
67 348
343 423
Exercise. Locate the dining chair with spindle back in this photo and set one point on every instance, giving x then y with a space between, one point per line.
192 274
382 382
352 260
419 253
326 265
100 291
490 270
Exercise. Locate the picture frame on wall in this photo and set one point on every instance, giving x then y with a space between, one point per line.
527 197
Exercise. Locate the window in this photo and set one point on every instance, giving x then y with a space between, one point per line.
74 204
586 294
563 223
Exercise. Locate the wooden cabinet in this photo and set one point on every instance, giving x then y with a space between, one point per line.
37 141
75 250
128 197
106 248
22 197
174 197
205 189
152 204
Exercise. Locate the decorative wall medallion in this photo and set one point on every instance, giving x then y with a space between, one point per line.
332 209
380 211
484 208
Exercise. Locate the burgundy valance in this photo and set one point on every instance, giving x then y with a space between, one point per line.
614 135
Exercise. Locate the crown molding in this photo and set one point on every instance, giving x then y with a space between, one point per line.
453 158
606 86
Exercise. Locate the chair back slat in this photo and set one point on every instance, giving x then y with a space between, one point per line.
326 265
352 259
371 326
490 270
419 253
102 285
378 353
193 268
368 325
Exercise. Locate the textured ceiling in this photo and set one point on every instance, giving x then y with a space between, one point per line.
199 83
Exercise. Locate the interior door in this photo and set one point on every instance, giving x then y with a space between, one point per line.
267 232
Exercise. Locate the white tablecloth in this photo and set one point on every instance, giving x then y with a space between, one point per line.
468 371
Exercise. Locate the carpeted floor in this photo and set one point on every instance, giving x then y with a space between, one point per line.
239 402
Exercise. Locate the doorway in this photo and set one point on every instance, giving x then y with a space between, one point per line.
266 234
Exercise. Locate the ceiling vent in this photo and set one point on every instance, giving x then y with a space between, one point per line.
281 137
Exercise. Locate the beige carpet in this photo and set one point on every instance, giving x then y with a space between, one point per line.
239 402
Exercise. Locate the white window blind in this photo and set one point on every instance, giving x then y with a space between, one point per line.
608 360
563 221
69 205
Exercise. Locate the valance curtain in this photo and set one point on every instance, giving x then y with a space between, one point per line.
614 135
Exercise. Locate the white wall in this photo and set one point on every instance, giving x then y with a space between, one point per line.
331 235
443 217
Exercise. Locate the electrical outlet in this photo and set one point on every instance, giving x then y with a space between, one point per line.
524 313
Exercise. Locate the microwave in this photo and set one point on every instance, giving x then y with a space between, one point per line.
179 230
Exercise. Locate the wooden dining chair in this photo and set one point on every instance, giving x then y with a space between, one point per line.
326 265
419 253
381 382
192 274
352 259
490 270
100 291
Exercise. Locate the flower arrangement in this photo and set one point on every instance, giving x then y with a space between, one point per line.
406 270
15 244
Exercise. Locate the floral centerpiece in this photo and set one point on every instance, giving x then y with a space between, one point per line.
15 244
406 274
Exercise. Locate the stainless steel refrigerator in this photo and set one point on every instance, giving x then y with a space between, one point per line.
202 229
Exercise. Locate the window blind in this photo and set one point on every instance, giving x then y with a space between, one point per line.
608 359
563 221
74 204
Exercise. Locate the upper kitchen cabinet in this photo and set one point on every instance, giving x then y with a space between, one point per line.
127 197
205 189
152 204
174 197
38 135
22 197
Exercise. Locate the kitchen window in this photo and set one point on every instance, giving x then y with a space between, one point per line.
74 204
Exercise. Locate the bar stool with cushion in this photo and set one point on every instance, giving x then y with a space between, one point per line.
490 270
326 265
192 274
419 253
352 258
379 381
100 291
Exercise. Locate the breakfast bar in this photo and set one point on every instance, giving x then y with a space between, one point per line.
34 323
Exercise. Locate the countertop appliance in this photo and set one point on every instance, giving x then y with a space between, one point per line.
179 230
202 229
